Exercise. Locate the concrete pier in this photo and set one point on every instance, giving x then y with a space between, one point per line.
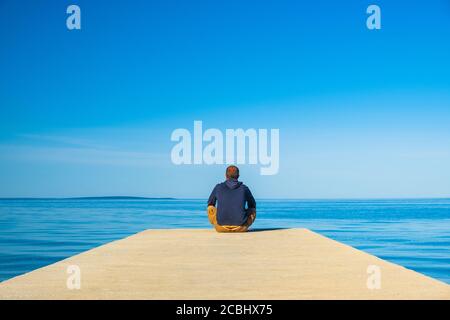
203 264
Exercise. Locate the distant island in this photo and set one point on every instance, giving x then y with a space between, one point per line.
93 198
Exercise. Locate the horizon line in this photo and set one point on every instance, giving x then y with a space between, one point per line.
202 198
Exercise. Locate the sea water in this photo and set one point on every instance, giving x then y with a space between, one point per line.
414 233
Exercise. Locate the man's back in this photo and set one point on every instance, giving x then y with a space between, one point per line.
231 197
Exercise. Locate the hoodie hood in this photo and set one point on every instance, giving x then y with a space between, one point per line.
233 183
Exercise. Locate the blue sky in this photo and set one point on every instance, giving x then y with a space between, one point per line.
361 113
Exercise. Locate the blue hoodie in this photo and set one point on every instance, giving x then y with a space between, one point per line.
231 197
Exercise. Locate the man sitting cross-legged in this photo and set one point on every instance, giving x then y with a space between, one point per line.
227 209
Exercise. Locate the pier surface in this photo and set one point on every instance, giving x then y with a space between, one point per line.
203 264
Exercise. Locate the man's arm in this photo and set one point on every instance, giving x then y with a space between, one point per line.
251 203
212 198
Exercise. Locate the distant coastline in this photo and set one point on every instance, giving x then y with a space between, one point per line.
93 198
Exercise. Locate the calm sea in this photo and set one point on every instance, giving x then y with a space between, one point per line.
412 233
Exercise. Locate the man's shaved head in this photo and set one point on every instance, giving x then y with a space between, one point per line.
232 172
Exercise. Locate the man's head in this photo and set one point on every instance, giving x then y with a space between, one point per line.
232 172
